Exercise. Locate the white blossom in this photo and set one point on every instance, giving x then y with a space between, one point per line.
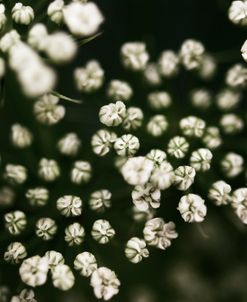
208 67
162 176
168 63
184 177
236 76
62 277
26 295
8 40
82 19
232 164
54 258
238 12
127 145
231 123
192 208
55 11
33 271
201 98
133 118
119 91
140 216
146 196
46 228
157 156
178 147
239 203
15 174
48 170
7 196
159 100
3 17
15 252
201 159
134 55
102 141
37 196
22 14
136 250
191 54
69 205
212 138
219 193
100 200
112 115
21 137
228 99
74 234
37 36
69 144
102 231
157 125
152 74
192 126
81 172
85 263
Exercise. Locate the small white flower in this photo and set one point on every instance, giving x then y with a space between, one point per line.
102 231
219 193
22 14
69 144
62 277
48 169
192 208
239 203
238 12
81 172
192 126
54 258
60 47
85 263
136 250
232 164
37 36
15 174
74 234
159 100
201 98
137 170
184 177
201 159
157 156
208 67
133 118
21 137
82 19
8 40
236 76
228 99
212 138
244 49
15 252
168 64
152 74
158 233
26 295
105 283
119 91
7 196
145 197
89 78
55 11
191 54
127 145
48 111
134 55
102 141
33 271
37 196
69 205
100 200
157 125
231 123
178 147
46 228
113 114
162 176
3 17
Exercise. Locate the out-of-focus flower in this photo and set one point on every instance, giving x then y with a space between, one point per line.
157 125
238 12
37 36
54 258
232 164
62 277
192 126
159 100
119 91
162 176
168 64
201 159
26 295
48 169
112 115
15 174
191 54
102 142
55 11
134 55
3 17
100 200
69 144
37 196
21 136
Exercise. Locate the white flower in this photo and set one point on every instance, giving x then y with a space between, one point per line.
85 263
37 36
3 18
228 99
100 200
127 145
231 123
184 177
145 197
201 98
81 172
102 231
134 55
69 144
157 125
60 47
69 205
7 196
239 203
33 271
47 110
191 54
55 11
15 252
152 74
137 170
105 283
208 67
162 176
178 147
159 100
244 49
21 137
157 156
37 196
26 295
192 126
136 250
89 78
201 159
112 115
219 192
46 228
141 216
8 40
82 19
232 164
158 233
15 222
48 170
133 118
192 208
54 258
62 277
168 63
74 234
15 174
22 14
212 138
102 141
238 12
119 91
236 76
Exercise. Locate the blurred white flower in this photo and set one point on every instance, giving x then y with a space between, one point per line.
212 138
134 55
168 63
162 176
69 144
159 100
48 169
232 164
3 17
55 11
238 12
100 200
15 174
191 54
22 14
37 36
133 118
21 137
192 126
231 123
157 125
54 258
102 141
119 91
62 277
81 172
236 76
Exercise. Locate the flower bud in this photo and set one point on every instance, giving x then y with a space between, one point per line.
127 145
102 231
157 125
69 205
22 14
145 197
119 91
21 137
136 250
37 196
85 263
62 277
46 228
102 141
112 115
134 56
48 170
201 159
15 222
74 234
184 177
15 252
81 172
100 200
178 147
